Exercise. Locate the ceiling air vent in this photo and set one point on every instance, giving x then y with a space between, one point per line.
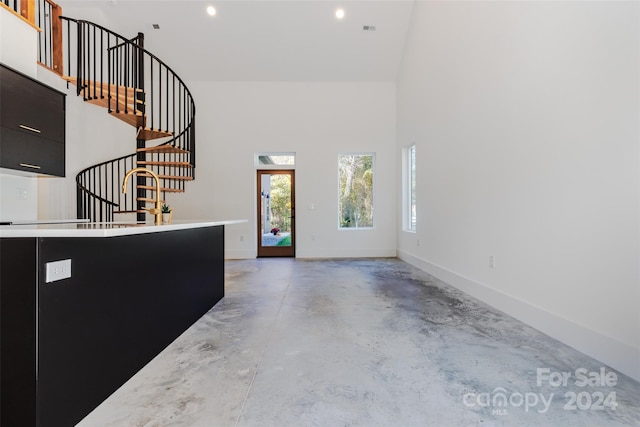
156 26
368 27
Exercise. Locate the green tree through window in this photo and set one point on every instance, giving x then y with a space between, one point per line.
281 202
356 190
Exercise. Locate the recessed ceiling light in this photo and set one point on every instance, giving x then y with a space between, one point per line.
340 13
211 10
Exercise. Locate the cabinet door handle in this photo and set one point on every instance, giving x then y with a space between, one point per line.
27 165
31 129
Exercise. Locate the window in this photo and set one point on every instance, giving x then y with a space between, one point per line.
409 185
355 178
276 160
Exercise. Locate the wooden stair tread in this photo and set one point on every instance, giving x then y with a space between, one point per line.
162 149
135 120
120 97
115 103
148 134
163 163
129 212
178 178
97 93
103 87
166 190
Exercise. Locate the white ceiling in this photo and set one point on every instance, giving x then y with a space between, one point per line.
264 40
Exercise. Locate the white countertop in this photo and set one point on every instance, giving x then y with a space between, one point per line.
105 229
43 221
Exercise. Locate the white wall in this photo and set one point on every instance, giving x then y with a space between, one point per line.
525 117
18 50
18 43
18 197
316 121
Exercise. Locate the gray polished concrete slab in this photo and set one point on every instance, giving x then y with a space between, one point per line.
363 342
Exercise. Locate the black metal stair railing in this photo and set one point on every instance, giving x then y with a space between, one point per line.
12 4
137 87
105 179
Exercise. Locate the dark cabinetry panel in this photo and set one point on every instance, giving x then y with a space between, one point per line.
18 286
32 116
27 104
31 153
127 298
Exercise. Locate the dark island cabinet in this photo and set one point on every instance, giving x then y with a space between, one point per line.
32 125
67 345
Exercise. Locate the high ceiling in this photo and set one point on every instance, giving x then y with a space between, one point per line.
264 40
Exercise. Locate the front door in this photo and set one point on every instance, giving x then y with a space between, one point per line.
276 213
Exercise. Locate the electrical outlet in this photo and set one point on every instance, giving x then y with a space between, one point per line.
22 194
492 261
242 238
58 270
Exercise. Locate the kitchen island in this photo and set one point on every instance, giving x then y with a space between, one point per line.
85 306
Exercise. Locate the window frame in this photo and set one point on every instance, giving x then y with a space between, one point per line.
373 191
259 165
409 184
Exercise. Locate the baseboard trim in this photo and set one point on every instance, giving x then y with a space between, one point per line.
320 253
239 254
346 253
618 355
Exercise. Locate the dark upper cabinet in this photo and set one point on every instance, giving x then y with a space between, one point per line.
32 125
21 148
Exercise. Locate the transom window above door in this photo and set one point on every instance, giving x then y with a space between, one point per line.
275 160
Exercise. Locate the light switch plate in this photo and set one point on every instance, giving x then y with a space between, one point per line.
58 270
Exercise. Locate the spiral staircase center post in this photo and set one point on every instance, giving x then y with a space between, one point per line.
140 107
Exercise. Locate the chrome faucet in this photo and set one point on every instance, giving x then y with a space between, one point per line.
157 211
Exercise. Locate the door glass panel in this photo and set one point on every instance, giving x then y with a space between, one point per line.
275 211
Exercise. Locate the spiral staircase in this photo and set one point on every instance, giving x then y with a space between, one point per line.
135 86
132 85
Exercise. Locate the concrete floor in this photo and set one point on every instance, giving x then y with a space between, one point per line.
362 343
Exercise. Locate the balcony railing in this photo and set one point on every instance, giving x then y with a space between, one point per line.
45 15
